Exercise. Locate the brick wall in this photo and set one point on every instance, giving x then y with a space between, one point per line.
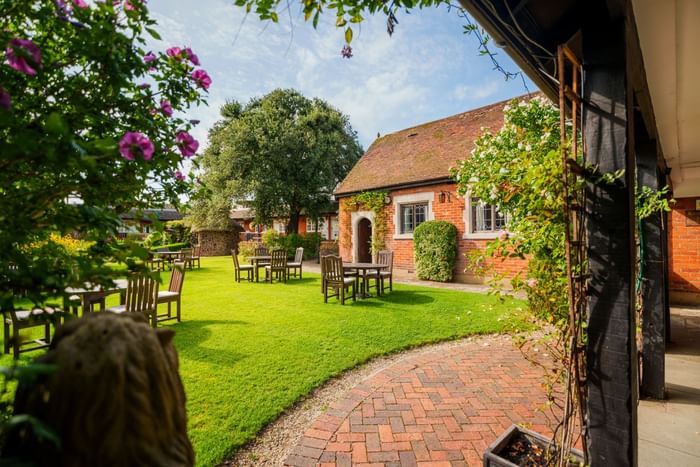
451 210
684 252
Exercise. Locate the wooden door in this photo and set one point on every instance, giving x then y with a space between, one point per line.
364 241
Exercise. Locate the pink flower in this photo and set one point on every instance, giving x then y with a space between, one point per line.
5 99
80 4
179 176
191 56
201 78
149 57
17 53
174 52
133 144
503 236
346 52
131 5
166 108
532 283
186 143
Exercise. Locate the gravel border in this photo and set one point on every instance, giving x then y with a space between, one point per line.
272 446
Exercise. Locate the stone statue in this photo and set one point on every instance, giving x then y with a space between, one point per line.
115 398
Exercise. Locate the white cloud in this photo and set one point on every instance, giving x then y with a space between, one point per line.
469 92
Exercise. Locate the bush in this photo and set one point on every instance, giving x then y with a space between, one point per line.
247 249
435 250
180 231
309 242
272 239
156 239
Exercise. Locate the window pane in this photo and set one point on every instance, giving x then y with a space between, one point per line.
420 213
500 220
407 218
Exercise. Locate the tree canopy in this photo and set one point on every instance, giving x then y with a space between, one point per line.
89 128
281 155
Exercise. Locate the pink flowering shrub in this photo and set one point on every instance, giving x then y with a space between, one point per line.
91 128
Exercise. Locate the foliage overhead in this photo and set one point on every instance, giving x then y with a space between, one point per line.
279 154
90 128
373 201
435 250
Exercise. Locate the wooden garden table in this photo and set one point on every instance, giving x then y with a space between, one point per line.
364 267
89 294
256 260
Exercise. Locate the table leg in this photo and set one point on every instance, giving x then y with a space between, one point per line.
257 272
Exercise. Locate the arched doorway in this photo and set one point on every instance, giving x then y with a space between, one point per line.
364 241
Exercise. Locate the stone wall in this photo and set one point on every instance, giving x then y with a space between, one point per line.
215 242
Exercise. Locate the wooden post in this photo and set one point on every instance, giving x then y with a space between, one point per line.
610 352
653 287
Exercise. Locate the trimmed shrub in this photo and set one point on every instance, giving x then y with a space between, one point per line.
272 239
156 239
180 231
435 250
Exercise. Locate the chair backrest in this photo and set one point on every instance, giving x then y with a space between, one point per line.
236 265
299 255
332 268
141 293
177 278
161 250
386 257
186 253
279 259
261 251
196 250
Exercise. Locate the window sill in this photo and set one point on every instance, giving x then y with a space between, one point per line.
482 235
408 236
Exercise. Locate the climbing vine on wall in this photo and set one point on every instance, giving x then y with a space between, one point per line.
374 201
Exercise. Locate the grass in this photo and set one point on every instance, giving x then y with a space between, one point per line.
249 351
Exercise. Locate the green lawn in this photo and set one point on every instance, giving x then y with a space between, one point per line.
248 351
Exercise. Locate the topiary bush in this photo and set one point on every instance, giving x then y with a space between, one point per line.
435 250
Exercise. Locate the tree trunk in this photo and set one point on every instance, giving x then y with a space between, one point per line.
293 224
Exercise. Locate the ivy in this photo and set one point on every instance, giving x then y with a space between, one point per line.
374 201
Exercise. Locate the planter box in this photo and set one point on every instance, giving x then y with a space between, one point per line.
493 454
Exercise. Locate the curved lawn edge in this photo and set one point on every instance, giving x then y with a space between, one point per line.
275 441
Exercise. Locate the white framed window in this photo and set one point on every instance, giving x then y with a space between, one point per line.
279 226
335 228
482 220
410 211
311 227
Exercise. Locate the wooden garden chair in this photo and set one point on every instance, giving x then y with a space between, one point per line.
334 278
277 266
297 263
19 320
141 297
197 256
186 257
238 268
173 294
386 257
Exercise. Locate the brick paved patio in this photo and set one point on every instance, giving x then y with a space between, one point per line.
434 409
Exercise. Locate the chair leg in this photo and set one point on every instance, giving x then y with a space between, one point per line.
325 295
342 294
169 309
300 271
177 309
47 333
15 343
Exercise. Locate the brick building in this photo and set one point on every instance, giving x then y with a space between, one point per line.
326 225
684 251
413 167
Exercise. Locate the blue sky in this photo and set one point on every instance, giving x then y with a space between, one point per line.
427 70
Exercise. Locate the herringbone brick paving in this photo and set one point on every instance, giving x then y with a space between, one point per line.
435 409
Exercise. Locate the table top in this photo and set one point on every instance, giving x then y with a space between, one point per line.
365 265
119 284
263 257
166 253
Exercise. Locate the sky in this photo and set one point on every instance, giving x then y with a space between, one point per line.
427 70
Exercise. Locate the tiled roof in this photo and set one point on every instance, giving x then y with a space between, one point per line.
146 215
421 153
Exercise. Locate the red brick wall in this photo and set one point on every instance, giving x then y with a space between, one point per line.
451 210
684 249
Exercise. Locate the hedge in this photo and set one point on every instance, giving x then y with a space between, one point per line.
309 241
435 250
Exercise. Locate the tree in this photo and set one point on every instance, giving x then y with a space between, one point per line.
280 154
89 129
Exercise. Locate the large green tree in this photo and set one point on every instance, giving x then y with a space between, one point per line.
282 154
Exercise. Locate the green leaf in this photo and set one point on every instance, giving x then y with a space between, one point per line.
340 22
154 34
273 16
55 124
348 35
